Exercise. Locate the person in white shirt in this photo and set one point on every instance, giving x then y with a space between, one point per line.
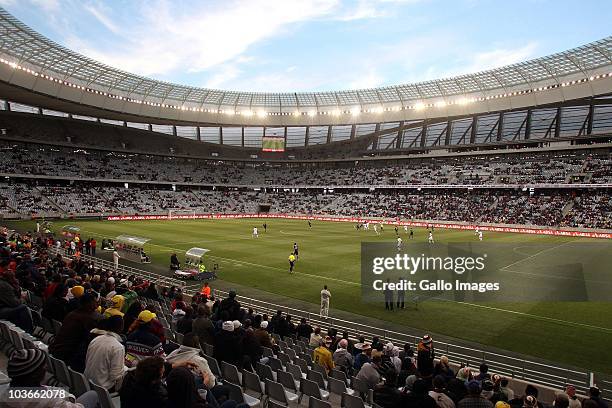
189 352
480 235
399 244
376 229
104 363
431 238
325 296
116 259
255 232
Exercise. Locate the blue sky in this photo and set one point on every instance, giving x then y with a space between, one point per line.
313 45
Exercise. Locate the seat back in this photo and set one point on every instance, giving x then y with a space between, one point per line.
60 370
214 365
235 392
267 352
310 388
351 401
264 371
339 375
276 391
287 380
79 383
104 397
230 373
275 363
336 386
274 404
295 371
316 377
284 358
251 381
360 385
317 403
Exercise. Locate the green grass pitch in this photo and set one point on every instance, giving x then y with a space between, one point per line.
575 333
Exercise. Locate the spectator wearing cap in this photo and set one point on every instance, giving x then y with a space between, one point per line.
262 336
574 402
369 372
74 294
105 360
228 346
116 306
438 393
71 342
27 368
364 356
474 399
595 395
343 360
323 356
142 342
12 307
530 397
425 356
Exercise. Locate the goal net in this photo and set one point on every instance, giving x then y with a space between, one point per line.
180 213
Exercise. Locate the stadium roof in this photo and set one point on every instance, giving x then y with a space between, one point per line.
21 47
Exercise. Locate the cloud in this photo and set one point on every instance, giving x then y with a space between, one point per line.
102 18
166 38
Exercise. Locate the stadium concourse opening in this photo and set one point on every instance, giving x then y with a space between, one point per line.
442 243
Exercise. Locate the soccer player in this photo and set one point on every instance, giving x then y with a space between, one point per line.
309 224
406 229
325 296
396 233
411 234
255 233
265 227
430 239
399 244
291 262
295 250
381 228
376 229
480 235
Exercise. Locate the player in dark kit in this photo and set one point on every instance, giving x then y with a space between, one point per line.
295 250
309 224
411 234
265 227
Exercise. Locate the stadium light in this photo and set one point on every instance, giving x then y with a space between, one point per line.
296 113
312 113
355 111
419 106
247 113
336 112
261 114
440 104
378 109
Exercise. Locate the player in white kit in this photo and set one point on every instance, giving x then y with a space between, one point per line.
431 238
376 229
255 232
400 243
325 296
480 235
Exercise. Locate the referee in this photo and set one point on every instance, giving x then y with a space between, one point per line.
291 262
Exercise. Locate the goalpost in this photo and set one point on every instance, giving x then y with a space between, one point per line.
179 213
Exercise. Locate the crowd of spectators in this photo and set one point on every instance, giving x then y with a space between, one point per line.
561 167
114 328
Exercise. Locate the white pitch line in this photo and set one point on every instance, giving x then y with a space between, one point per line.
556 277
514 312
536 254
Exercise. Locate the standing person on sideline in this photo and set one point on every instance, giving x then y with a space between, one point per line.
296 250
291 262
325 296
388 297
116 258
401 295
265 227
92 246
255 233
